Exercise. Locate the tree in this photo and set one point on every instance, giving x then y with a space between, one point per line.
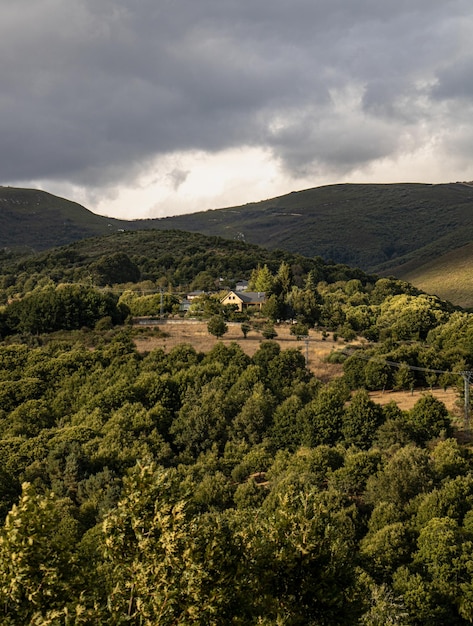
217 326
201 421
273 308
304 304
254 419
429 418
268 332
37 563
286 431
403 377
166 566
322 418
410 317
407 474
261 279
115 268
283 278
361 419
245 328
299 330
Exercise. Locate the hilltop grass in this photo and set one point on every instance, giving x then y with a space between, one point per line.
450 276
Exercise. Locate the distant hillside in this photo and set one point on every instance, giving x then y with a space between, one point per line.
378 228
374 227
450 276
36 220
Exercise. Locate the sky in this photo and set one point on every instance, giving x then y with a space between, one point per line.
149 108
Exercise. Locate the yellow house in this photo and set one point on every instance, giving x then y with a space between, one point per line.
245 299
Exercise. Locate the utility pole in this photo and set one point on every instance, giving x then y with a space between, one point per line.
467 376
307 352
161 307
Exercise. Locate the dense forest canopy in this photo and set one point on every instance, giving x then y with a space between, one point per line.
183 487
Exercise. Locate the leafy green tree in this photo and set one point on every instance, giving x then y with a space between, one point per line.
269 332
385 607
429 418
255 417
405 475
201 421
204 281
377 375
354 371
65 307
322 418
29 418
403 377
283 279
360 420
115 268
285 370
167 566
217 326
245 328
387 549
287 429
430 587
358 466
273 308
410 317
450 459
305 305
299 330
261 279
302 550
38 568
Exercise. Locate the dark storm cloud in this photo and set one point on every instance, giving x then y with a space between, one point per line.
92 90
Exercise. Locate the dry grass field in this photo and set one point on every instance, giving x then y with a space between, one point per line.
197 335
171 333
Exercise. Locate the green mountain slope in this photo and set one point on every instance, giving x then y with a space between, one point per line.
378 228
37 220
450 276
375 227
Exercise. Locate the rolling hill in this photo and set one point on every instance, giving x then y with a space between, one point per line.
35 220
388 229
450 276
375 227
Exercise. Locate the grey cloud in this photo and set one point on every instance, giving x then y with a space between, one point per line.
91 91
455 80
178 177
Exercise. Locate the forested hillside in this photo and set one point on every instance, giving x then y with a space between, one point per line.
375 227
184 487
175 259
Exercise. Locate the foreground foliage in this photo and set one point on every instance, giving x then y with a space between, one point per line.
190 488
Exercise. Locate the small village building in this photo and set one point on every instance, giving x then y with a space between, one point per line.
245 299
192 295
185 305
242 285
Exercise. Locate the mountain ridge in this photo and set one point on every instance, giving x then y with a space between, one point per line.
376 227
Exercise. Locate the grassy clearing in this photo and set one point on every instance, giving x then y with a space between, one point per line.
196 334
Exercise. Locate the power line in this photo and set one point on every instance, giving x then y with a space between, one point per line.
466 375
394 364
